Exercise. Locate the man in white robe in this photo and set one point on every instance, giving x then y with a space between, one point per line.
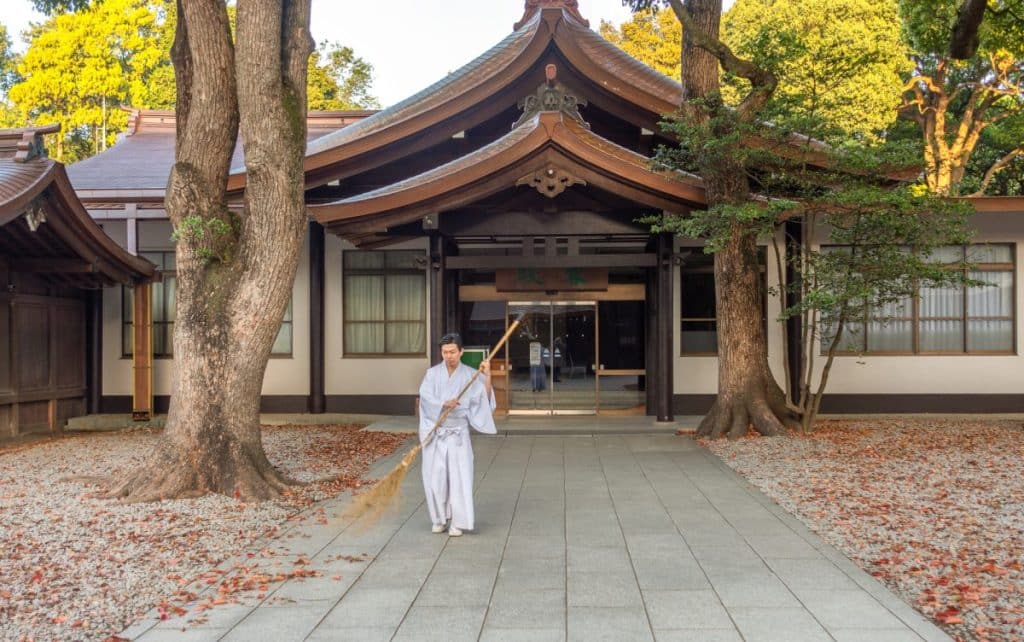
448 454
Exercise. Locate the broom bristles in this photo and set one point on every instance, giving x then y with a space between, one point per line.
369 507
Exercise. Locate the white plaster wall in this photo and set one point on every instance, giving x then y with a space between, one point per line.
284 375
938 374
290 375
363 375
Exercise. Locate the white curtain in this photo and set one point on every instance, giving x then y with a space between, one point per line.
364 313
406 332
995 300
384 313
940 332
891 330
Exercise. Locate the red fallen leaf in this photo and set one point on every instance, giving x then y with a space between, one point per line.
336 578
60 619
4 593
77 624
37 576
115 638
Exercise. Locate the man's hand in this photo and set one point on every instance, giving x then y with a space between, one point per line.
485 368
451 403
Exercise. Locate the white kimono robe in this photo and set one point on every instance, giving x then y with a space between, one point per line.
448 456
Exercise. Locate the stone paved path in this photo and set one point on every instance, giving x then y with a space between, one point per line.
606 537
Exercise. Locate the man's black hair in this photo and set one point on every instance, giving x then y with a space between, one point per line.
451 337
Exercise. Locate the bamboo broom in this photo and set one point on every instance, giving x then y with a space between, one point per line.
369 506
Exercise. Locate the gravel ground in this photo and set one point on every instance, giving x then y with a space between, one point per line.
932 508
78 567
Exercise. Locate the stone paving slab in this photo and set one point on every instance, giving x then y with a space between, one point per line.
579 537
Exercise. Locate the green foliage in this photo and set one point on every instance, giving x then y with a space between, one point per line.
8 75
338 79
928 25
212 238
652 37
80 68
952 101
838 60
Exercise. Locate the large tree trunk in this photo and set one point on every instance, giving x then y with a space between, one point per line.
235 270
747 392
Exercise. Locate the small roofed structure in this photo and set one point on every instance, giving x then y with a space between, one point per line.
53 259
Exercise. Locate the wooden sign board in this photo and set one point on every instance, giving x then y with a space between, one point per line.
546 279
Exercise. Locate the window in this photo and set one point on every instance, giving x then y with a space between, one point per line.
699 323
165 308
385 303
947 320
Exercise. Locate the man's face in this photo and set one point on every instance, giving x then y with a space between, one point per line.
451 353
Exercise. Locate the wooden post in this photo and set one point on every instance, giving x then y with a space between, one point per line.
664 325
94 351
436 286
317 397
142 353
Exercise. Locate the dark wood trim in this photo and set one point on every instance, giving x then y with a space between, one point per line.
451 289
436 283
885 403
373 404
558 261
922 403
482 222
651 355
94 350
317 339
663 327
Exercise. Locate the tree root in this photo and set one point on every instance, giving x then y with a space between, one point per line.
732 418
171 476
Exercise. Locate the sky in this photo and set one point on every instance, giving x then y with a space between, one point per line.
410 43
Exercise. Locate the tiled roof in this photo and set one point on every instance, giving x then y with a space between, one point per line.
545 129
453 85
42 220
142 159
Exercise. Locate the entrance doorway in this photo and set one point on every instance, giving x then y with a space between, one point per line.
551 357
576 357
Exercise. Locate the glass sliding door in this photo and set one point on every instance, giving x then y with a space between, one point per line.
621 372
551 357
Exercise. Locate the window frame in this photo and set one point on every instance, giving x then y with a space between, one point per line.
168 325
965 318
704 269
127 313
384 272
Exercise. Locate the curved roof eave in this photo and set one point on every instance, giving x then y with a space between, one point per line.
547 139
113 261
498 69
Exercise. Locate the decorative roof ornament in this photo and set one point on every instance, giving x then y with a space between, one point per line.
25 144
34 217
552 96
572 7
550 181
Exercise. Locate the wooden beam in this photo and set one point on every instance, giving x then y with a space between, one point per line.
52 266
94 351
142 353
317 341
663 327
559 261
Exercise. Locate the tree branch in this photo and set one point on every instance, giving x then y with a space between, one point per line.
999 165
763 81
964 43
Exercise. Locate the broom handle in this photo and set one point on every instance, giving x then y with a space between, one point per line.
497 347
